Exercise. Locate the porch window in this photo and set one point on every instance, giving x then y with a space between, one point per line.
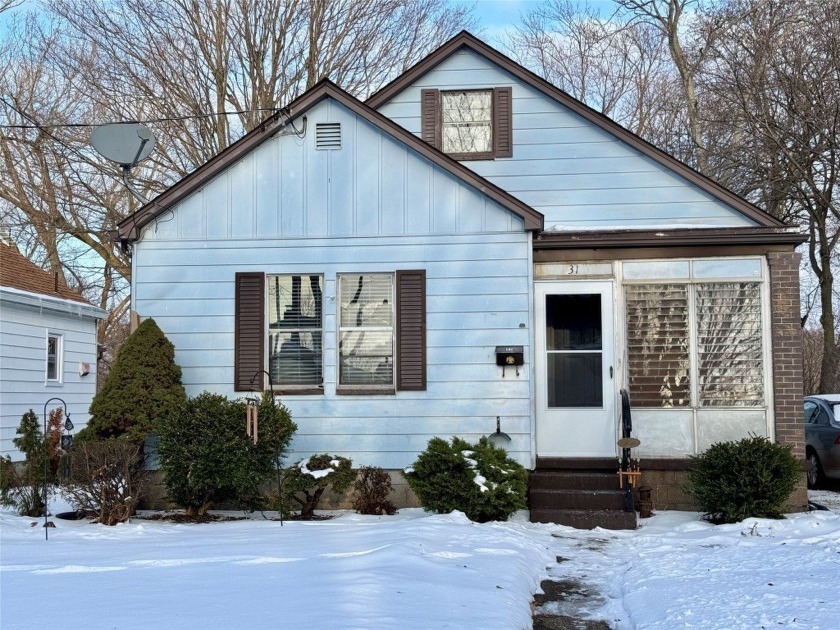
366 330
721 364
295 329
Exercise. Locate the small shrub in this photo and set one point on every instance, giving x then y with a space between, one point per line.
107 478
749 478
207 456
370 492
306 481
22 484
143 386
478 479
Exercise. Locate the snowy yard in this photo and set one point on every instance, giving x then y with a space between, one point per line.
416 570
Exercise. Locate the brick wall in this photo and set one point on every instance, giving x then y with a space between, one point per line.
787 349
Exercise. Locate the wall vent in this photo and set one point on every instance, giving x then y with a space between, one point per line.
328 135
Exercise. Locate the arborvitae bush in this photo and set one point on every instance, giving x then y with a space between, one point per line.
22 483
480 480
370 492
107 478
307 480
207 456
749 478
143 386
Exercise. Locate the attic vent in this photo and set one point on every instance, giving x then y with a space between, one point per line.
328 135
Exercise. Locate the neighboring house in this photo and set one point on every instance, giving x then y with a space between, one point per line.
371 257
47 346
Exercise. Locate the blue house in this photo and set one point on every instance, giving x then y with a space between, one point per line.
473 243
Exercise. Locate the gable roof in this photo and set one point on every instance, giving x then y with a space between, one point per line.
129 228
466 40
20 273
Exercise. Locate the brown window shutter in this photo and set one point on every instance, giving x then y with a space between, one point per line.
249 331
502 122
430 117
411 330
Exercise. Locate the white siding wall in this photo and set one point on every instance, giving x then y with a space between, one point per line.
373 206
23 352
577 175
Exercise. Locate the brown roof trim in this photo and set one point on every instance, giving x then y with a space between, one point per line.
19 273
668 238
466 39
130 227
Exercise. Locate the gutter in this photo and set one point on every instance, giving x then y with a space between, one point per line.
46 302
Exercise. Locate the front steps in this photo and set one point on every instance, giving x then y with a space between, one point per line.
581 493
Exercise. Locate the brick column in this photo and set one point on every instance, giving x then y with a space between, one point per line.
786 335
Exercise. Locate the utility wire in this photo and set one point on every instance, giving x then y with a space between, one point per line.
148 120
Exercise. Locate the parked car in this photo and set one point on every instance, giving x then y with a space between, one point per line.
822 437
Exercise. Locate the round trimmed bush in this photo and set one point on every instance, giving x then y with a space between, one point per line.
752 477
480 480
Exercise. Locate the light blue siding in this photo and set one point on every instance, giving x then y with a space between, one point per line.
23 348
576 174
372 206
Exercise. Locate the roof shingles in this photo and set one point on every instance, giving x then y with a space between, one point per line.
18 272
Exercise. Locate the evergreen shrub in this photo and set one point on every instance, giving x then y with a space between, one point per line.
370 492
143 386
307 480
479 479
22 484
207 456
752 477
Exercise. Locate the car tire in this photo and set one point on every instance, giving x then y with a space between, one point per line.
815 475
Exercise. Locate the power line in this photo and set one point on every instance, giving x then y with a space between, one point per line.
148 120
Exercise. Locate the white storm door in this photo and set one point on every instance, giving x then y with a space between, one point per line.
575 385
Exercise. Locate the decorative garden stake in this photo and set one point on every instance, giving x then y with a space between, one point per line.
249 417
69 426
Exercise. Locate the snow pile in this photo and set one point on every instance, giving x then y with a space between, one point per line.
318 474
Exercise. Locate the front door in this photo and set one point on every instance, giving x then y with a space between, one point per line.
576 414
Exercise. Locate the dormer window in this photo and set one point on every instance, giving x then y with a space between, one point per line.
468 124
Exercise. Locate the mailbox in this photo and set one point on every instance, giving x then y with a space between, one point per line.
510 356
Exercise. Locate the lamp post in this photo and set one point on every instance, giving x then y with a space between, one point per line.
68 425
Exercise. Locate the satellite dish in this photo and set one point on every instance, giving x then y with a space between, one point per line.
123 143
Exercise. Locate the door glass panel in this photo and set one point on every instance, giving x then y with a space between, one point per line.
573 322
574 350
575 379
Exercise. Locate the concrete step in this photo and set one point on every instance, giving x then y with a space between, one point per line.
572 480
576 499
585 519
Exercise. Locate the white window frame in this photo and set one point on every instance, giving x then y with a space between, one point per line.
292 388
366 387
59 358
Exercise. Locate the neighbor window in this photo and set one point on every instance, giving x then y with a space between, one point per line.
295 330
54 351
720 363
468 124
366 330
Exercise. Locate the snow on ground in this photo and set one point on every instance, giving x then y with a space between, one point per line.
415 570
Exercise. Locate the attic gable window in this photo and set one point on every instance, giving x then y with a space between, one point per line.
468 124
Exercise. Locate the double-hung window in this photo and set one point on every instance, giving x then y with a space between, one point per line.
366 330
295 330
377 332
473 124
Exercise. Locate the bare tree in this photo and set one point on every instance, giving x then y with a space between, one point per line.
779 74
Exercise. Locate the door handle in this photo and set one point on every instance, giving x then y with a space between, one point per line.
611 371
